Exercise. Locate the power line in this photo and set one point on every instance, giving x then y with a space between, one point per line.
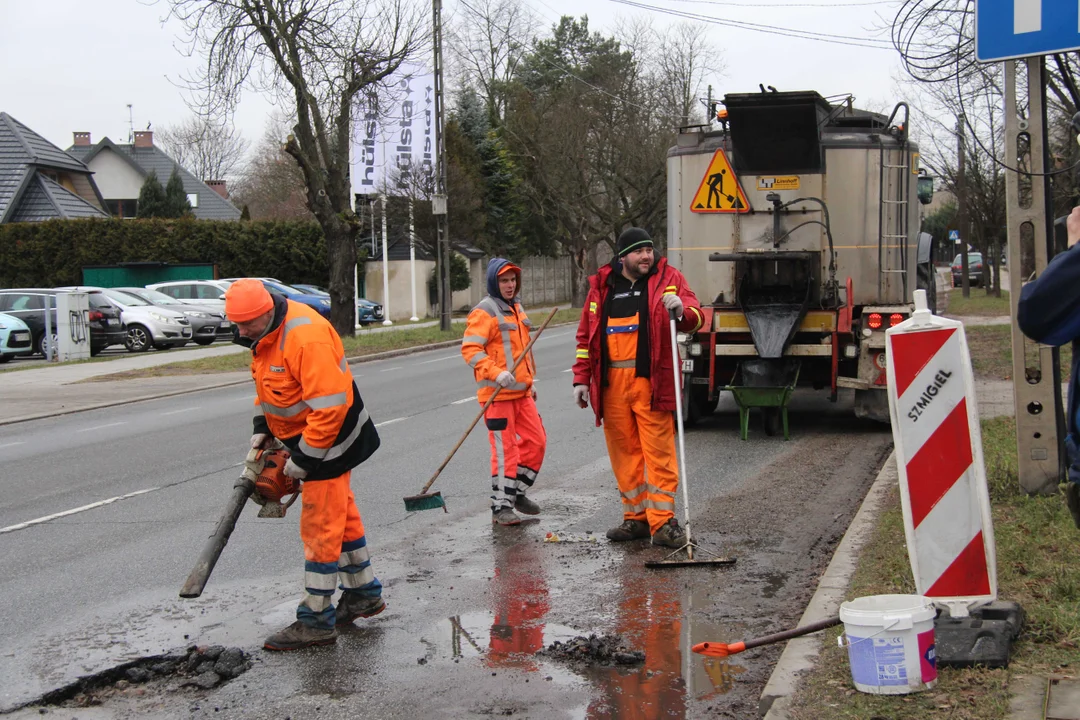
787 5
767 29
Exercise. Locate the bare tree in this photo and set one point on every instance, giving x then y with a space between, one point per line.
682 62
272 184
209 149
488 42
316 56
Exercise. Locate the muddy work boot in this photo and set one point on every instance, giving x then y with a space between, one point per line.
298 636
670 535
353 606
505 516
525 506
629 530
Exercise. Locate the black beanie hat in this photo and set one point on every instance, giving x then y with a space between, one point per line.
633 239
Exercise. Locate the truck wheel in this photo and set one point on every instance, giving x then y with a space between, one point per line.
772 421
690 411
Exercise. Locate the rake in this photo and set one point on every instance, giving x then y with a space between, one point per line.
671 560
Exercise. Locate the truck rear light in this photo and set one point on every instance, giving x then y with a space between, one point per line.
850 351
874 321
895 319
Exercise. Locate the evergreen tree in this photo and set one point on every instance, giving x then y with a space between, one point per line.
245 214
151 198
176 201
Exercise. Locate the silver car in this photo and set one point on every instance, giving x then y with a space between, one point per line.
148 325
207 324
210 293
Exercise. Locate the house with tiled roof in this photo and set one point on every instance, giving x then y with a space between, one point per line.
121 169
39 181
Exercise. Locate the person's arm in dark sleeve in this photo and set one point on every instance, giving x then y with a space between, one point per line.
1049 307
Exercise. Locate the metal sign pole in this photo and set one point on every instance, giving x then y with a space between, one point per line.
438 203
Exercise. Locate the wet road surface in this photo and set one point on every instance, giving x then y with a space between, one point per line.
469 604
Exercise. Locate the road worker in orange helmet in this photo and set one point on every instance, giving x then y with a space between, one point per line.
307 399
496 335
623 369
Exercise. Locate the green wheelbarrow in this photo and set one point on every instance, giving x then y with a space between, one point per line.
771 400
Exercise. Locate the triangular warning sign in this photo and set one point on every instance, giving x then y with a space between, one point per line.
720 191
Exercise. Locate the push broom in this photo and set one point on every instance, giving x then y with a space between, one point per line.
672 559
432 501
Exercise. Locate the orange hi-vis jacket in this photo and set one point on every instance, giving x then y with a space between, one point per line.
495 336
306 396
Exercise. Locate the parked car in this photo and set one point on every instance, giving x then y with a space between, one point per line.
15 338
367 312
207 324
320 303
147 326
209 293
28 304
975 268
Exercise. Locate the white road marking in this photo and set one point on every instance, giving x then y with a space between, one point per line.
84 508
101 427
448 357
12 444
182 410
396 367
468 399
390 422
552 337
569 370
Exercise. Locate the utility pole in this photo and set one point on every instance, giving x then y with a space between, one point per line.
962 206
438 202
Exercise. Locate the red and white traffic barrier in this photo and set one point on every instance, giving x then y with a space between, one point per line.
935 423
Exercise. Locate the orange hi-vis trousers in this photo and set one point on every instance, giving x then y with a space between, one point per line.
518 443
640 440
335 549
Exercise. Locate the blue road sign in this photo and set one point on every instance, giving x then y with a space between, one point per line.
954 236
1006 29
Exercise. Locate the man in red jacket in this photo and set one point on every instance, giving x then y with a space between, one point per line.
623 369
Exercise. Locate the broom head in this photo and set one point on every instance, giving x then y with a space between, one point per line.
429 501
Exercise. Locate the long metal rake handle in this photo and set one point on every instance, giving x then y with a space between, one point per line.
677 369
491 399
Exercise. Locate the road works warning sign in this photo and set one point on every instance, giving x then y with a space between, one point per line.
935 422
720 191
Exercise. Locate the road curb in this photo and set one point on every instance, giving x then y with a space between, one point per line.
801 654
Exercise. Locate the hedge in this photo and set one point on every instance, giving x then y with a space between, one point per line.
53 253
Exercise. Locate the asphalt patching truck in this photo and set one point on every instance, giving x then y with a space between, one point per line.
796 221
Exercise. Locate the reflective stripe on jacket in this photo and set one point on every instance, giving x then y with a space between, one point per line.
495 335
587 370
306 396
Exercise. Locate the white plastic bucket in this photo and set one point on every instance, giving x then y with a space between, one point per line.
890 641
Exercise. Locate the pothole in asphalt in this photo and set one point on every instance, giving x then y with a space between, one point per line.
196 667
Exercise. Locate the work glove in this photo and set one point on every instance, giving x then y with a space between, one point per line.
294 471
505 379
673 303
581 395
259 440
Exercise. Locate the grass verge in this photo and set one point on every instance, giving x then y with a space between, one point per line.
991 352
367 342
979 303
1036 562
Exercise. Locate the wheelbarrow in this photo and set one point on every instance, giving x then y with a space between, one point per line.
772 400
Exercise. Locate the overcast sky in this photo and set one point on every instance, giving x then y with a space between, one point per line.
77 64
